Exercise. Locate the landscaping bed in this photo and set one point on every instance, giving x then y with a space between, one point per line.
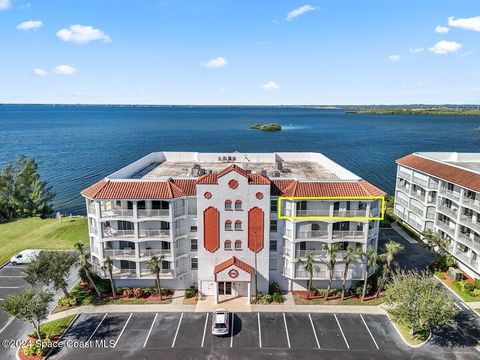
191 296
468 289
418 338
301 298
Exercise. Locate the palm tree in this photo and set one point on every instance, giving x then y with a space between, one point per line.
310 267
392 248
353 254
85 265
370 261
155 267
433 241
330 262
108 266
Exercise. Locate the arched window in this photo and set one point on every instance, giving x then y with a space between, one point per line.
238 205
228 205
227 245
238 245
228 225
238 225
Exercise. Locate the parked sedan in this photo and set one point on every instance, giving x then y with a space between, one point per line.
220 325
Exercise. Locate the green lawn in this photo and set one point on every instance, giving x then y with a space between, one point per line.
36 233
467 297
417 338
55 328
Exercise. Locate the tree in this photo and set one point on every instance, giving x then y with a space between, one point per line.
310 267
30 305
86 266
433 241
392 248
418 301
51 268
155 267
108 267
22 192
353 254
370 258
330 262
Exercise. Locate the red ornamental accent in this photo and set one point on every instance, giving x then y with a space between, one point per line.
233 184
255 229
259 195
211 229
233 273
208 195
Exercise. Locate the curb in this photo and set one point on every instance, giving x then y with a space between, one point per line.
61 336
405 340
4 264
457 296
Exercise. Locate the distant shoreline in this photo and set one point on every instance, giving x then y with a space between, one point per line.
413 111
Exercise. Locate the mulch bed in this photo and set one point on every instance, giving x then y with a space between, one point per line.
302 295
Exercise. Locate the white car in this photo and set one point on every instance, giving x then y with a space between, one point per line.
25 257
220 324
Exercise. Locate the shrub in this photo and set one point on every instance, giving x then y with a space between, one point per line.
103 285
166 291
190 293
477 283
67 301
267 298
137 293
127 292
442 263
320 292
476 292
277 298
464 286
273 288
36 349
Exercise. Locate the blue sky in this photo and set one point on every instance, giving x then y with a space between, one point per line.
240 52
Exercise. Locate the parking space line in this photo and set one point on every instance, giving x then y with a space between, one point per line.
98 326
9 276
465 306
149 331
344 338
123 329
286 330
9 287
371 335
314 332
458 306
231 332
178 328
259 332
205 329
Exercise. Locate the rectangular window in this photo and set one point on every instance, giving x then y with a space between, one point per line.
124 225
450 186
238 205
193 244
194 263
272 264
273 245
193 228
302 205
273 205
273 225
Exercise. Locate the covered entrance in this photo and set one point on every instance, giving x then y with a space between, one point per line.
233 278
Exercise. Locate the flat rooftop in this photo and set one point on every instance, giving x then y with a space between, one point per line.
472 166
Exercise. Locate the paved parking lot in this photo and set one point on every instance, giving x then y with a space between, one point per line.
110 334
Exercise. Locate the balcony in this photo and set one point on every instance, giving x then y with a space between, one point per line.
157 234
124 273
120 253
312 234
287 232
445 227
404 175
467 221
287 271
416 210
420 182
450 193
110 233
319 254
286 251
420 197
181 231
336 234
404 188
320 212
164 273
179 211
153 213
154 252
181 251
452 212
471 202
113 213
430 216
468 260
323 275
433 185
91 209
372 232
401 201
350 213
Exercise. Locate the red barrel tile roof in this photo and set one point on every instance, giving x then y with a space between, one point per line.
232 261
332 188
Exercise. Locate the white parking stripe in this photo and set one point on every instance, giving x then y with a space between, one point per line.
314 332
344 338
231 328
149 331
121 332
259 332
376 345
9 287
458 306
94 331
205 329
465 306
9 276
286 330
176 332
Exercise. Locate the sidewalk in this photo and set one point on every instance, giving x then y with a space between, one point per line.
403 234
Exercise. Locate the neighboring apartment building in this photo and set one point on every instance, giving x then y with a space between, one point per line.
441 192
214 217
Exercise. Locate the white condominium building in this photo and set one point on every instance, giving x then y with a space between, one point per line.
440 191
215 220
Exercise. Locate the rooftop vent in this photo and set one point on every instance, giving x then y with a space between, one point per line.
278 165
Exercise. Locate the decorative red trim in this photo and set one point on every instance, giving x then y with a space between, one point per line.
211 229
207 195
233 184
255 229
259 195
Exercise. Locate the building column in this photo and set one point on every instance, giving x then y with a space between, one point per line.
249 296
216 292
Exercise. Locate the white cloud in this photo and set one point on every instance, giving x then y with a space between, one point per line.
442 29
416 50
82 34
299 11
217 62
29 25
271 85
472 23
444 47
5 4
64 70
393 58
39 72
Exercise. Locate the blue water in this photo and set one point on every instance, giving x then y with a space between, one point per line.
77 145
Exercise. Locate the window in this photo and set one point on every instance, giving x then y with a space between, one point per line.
238 205
450 187
238 245
302 205
227 245
273 245
141 205
159 205
228 205
129 205
273 205
228 225
193 244
194 263
193 228
273 225
362 205
124 225
315 227
272 264
238 225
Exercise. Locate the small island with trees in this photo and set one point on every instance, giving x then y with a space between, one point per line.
415 110
266 127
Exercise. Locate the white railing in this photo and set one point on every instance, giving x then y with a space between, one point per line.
287 232
91 209
163 273
418 181
348 234
350 213
154 252
180 270
401 201
469 222
372 232
416 210
449 211
404 175
124 253
181 251
320 212
312 234
445 227
154 213
316 253
121 273
337 275
471 202
179 211
287 271
433 185
93 230
286 251
430 216
181 231
451 193
417 196
154 233
116 213
403 187
112 233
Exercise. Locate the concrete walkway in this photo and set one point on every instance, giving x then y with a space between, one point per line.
403 234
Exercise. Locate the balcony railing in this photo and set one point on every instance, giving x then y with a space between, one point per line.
465 220
287 271
348 234
433 185
350 213
471 202
124 273
181 231
312 234
452 212
403 187
286 251
416 210
445 227
467 259
154 213
404 175
154 233
120 253
401 201
420 197
110 213
181 251
430 216
112 233
372 232
320 212
91 209
322 254
180 270
146 272
154 252
418 181
450 193
337 275
179 211
287 232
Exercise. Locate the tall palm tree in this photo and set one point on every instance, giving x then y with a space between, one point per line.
155 267
353 254
370 258
332 251
392 248
310 267
108 267
85 265
433 241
